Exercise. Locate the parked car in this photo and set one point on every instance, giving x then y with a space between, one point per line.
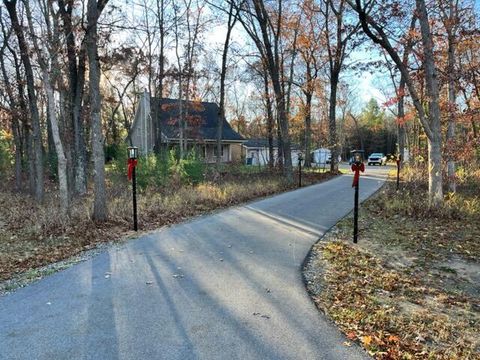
377 159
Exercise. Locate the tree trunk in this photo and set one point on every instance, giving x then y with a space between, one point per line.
51 151
285 136
161 73
27 138
37 150
18 155
435 181
78 127
270 121
308 128
231 22
401 117
452 185
280 161
76 81
332 121
435 174
100 195
15 114
61 159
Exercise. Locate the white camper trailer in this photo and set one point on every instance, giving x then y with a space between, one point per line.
321 157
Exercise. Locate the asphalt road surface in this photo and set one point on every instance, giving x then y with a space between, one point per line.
223 286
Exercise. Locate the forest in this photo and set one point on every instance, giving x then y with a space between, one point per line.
286 71
232 257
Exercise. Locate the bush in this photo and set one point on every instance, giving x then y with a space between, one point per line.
6 156
154 170
194 168
115 152
161 170
117 167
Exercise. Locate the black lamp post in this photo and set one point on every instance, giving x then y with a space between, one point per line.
132 163
357 166
300 159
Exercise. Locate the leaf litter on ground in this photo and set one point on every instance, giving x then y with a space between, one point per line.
410 289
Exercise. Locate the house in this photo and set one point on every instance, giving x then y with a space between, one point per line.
200 131
256 152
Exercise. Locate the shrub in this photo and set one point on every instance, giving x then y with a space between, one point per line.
194 168
115 151
6 156
117 167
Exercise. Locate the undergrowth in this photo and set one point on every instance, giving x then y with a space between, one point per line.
33 235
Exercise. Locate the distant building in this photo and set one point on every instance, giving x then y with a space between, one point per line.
201 119
256 152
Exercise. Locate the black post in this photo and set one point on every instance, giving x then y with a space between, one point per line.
355 214
134 190
299 173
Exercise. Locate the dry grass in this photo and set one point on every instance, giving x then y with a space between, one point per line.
33 235
411 288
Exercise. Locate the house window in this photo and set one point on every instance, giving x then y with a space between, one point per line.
215 150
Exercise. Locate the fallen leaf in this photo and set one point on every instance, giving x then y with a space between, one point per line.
393 338
367 340
351 335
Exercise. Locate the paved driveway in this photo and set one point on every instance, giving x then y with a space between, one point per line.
224 286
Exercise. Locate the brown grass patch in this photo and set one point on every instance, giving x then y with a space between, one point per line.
33 235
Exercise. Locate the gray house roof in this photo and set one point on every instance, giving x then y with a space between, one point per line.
202 119
201 122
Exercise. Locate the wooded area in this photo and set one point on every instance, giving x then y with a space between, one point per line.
71 72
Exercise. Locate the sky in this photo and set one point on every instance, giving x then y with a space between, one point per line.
367 85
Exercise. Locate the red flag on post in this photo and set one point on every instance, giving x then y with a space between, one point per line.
131 165
356 168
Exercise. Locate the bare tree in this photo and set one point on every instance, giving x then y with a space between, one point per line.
37 150
430 121
451 21
49 73
265 31
161 69
311 46
94 9
337 35
232 19
15 105
76 81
